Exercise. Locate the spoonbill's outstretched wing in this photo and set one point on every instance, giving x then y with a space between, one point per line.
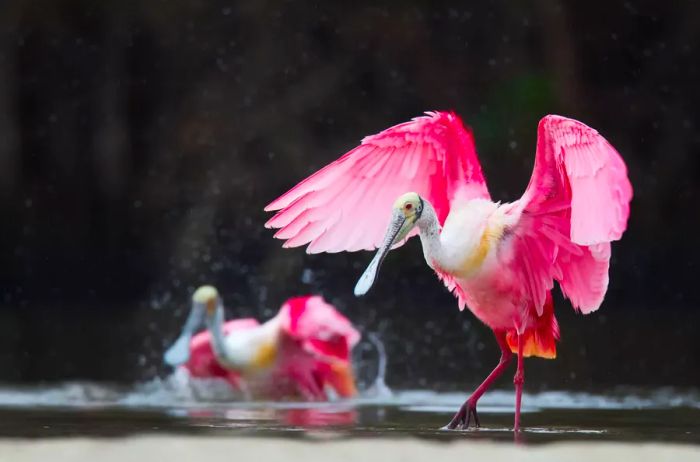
347 204
320 328
326 336
577 202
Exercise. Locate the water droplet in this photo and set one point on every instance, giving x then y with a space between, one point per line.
307 276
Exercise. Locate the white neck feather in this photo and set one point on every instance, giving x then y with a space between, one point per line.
215 324
429 232
468 239
241 349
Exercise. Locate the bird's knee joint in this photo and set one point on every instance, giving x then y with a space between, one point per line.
519 378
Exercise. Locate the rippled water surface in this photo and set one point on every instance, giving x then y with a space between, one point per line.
83 409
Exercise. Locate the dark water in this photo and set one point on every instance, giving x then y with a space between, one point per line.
168 407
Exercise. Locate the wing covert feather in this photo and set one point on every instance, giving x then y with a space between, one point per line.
346 206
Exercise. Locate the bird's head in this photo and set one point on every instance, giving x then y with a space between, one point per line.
410 207
205 303
206 300
407 210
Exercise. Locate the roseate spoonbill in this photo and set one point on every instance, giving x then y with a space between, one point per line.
500 260
303 350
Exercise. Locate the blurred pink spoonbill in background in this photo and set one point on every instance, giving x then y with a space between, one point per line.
304 351
500 259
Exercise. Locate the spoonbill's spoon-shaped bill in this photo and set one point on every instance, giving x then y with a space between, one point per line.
402 223
179 352
500 259
370 275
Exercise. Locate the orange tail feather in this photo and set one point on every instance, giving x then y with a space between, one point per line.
541 340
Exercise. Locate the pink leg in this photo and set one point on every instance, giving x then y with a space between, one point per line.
463 417
519 380
308 387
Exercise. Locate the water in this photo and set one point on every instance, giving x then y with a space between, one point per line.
176 406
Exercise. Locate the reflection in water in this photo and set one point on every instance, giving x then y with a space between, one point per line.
379 388
310 418
177 404
304 417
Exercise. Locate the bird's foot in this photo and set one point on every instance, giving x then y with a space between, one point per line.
464 417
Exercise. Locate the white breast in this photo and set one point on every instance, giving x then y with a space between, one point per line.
464 245
244 347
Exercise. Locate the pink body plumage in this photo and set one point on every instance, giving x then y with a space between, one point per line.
501 260
313 347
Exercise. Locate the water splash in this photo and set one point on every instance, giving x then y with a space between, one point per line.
179 390
379 388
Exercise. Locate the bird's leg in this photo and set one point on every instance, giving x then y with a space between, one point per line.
463 418
519 380
307 386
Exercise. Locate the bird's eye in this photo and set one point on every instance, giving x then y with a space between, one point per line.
409 206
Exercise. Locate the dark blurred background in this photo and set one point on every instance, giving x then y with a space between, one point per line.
139 142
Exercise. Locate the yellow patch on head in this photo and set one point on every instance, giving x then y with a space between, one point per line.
265 356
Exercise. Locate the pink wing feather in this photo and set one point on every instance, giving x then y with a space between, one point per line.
575 166
346 206
577 202
319 326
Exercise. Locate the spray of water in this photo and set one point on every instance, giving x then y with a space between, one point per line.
379 388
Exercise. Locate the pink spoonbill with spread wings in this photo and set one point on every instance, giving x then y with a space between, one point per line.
303 351
500 259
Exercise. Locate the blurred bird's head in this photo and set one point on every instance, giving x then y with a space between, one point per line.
206 300
205 305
